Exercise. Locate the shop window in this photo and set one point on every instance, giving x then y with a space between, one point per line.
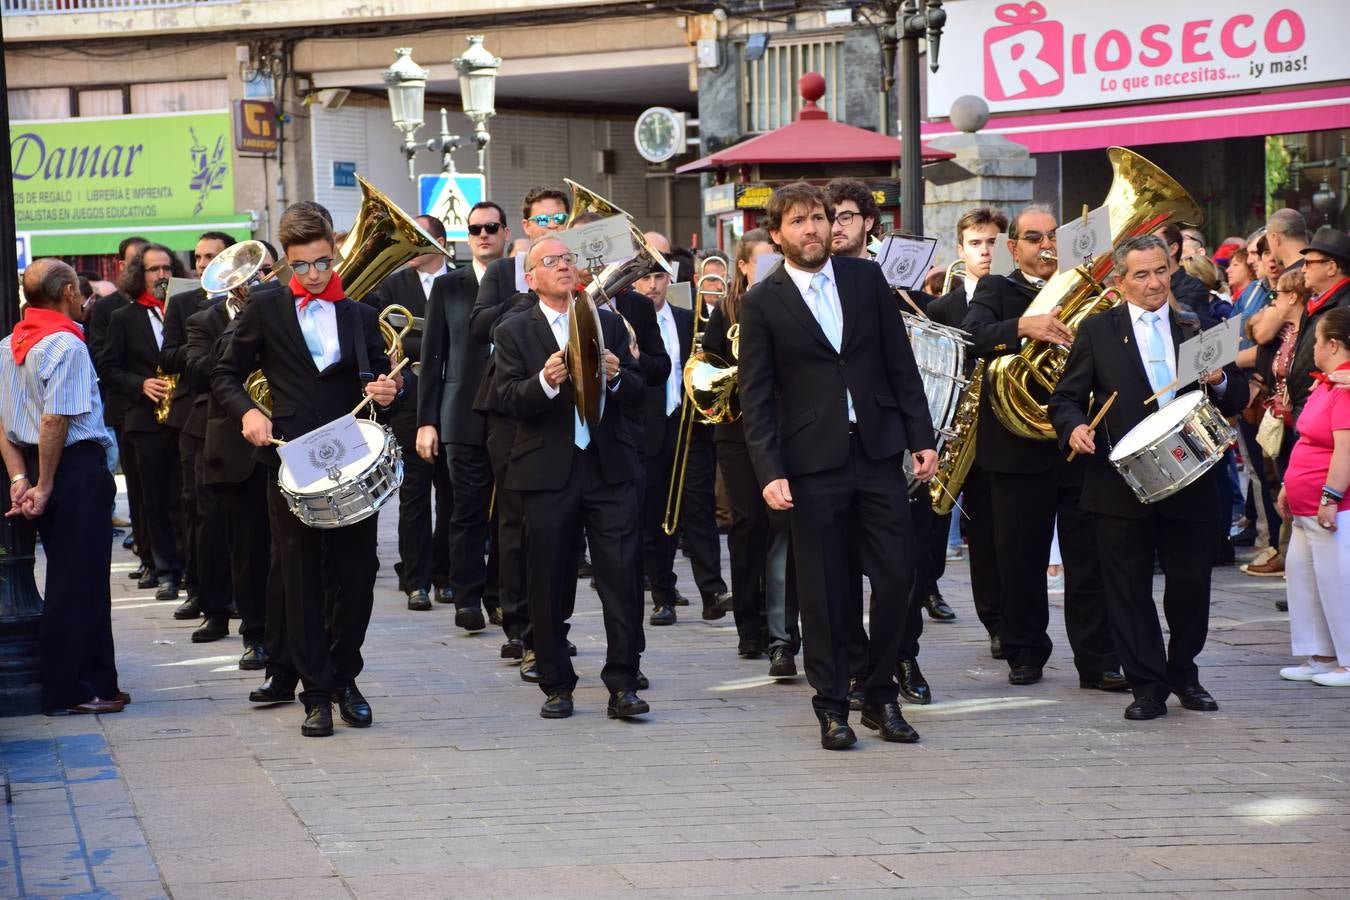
102 102
179 96
769 96
39 103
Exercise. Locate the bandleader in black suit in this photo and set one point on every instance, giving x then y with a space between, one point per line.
423 524
1115 352
315 370
571 475
832 399
1031 484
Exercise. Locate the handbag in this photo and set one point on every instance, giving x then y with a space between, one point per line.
1270 434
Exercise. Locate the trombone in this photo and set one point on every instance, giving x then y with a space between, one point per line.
684 434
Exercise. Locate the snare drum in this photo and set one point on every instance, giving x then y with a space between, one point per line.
352 492
1173 447
940 352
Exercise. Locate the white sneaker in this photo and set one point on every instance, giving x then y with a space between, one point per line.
1310 668
1054 584
1333 679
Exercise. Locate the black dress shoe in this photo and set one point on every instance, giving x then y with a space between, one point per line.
678 599
445 595
663 615
470 618
712 610
140 572
1112 682
148 580
168 589
1024 674
213 629
188 609
529 667
781 663
514 648
571 649
937 607
855 695
557 706
834 731
996 647
625 705
419 601
318 721
494 614
1196 698
352 706
887 720
253 658
584 569
913 686
642 682
233 611
1144 708
1282 605
750 651
128 542
274 689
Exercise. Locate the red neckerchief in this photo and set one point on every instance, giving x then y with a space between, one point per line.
36 325
1320 300
332 293
150 301
1321 377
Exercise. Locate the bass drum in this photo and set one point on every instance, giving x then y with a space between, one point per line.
353 492
1173 447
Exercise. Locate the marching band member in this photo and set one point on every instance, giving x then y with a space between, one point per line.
312 344
1131 349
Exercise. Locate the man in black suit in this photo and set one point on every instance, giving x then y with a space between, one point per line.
423 546
1030 483
173 361
1188 290
316 347
131 357
573 475
1130 351
448 427
832 399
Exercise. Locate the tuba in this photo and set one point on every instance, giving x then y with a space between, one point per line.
958 451
1142 199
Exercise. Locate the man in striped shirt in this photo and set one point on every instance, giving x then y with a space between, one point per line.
54 445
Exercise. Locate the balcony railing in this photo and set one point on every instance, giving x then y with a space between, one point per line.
56 7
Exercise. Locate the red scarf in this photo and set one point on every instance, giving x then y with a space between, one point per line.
1320 300
332 293
36 325
150 301
1321 377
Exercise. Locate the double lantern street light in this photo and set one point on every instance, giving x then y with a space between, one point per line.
406 82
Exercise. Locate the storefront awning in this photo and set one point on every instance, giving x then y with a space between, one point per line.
1213 118
97 241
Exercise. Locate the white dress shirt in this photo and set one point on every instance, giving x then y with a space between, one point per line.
156 325
430 277
670 336
814 302
322 315
1141 337
479 270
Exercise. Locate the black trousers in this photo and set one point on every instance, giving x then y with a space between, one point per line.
126 453
863 503
328 577
609 514
423 544
937 549
76 638
235 551
189 449
507 556
698 516
1184 549
747 543
978 505
924 520
157 459
1264 490
275 635
471 480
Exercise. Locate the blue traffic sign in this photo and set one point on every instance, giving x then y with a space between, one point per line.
449 198
24 248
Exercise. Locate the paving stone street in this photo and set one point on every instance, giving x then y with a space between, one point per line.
461 790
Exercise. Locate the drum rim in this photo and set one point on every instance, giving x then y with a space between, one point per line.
378 455
1196 398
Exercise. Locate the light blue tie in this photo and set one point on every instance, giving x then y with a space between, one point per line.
581 434
1159 373
310 329
826 313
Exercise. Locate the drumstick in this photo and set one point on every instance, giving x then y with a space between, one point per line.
366 401
277 441
956 504
905 294
1160 391
1097 419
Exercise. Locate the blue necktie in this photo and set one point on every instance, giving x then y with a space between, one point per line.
1159 373
826 314
581 434
310 329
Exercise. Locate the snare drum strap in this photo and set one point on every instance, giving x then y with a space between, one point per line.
363 370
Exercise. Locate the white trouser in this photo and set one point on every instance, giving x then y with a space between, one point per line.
1317 575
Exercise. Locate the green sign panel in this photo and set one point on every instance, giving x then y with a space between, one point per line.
81 185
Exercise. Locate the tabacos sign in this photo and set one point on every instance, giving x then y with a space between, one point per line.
1064 53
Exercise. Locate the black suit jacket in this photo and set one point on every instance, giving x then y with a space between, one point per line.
131 355
198 358
792 380
950 309
654 407
173 355
1105 359
1192 294
453 362
226 457
1300 380
497 297
715 342
640 312
96 333
267 335
404 288
541 457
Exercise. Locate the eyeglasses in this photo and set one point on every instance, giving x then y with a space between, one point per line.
1037 237
320 265
159 268
1310 261
546 219
550 261
845 218
489 227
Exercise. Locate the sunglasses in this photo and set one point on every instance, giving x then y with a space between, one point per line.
320 265
489 227
547 219
1036 237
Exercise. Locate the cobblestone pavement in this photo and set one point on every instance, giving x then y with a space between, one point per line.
461 790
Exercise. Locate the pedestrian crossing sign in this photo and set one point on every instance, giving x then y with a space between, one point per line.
449 197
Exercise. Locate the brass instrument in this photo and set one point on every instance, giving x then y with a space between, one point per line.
958 451
710 382
1142 198
383 238
689 414
165 403
954 271
717 292
393 335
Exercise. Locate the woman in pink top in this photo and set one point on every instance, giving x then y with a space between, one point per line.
1314 493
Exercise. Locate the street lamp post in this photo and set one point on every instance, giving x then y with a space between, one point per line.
478 91
910 27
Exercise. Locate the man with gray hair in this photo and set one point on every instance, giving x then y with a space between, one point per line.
1287 235
1131 351
54 446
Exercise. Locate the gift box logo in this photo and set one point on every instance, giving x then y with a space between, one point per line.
1023 58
